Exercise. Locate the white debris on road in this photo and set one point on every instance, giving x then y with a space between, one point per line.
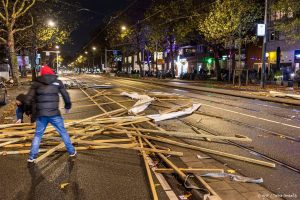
163 94
143 102
281 94
234 177
188 111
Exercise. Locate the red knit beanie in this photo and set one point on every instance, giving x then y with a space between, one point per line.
46 70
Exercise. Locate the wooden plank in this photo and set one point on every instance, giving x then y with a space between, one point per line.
168 162
191 135
4 153
213 193
10 125
50 129
135 148
12 141
102 147
150 178
211 151
102 109
233 156
188 170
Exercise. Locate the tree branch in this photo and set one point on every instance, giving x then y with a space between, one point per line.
19 10
24 28
2 17
5 9
3 30
3 40
15 5
21 13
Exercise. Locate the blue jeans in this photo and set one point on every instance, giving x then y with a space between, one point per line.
41 124
19 113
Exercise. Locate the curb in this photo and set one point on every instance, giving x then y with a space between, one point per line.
222 91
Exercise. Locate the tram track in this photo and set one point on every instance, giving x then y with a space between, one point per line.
255 121
244 147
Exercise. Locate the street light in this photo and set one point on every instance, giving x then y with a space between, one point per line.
123 28
57 52
264 48
94 49
56 47
51 23
86 53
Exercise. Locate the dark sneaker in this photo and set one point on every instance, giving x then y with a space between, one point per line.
74 154
31 160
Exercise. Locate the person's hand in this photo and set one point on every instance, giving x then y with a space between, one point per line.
67 111
19 121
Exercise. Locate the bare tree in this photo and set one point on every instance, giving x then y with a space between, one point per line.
10 12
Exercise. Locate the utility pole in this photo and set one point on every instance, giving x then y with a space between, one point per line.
105 57
101 67
57 52
263 70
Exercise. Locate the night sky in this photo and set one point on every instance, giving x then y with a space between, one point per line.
92 15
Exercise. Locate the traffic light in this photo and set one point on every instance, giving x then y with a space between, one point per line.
209 60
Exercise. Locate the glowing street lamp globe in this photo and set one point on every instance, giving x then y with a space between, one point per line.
51 23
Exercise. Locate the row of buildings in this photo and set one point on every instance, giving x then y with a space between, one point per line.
193 58
283 57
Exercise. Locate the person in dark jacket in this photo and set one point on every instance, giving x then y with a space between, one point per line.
22 109
45 91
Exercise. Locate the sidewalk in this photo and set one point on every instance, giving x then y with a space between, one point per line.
224 187
251 91
227 85
8 111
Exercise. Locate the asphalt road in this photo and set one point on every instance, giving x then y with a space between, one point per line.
98 174
115 174
268 124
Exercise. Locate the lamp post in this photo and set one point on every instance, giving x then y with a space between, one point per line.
57 52
88 59
94 50
263 70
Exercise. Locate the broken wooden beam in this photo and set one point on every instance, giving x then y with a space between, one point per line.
191 135
175 153
188 170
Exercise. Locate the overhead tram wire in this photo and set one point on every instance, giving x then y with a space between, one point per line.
142 20
81 8
139 21
110 20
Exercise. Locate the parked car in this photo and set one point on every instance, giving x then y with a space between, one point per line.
4 71
3 94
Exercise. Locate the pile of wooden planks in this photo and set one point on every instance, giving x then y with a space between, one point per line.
114 128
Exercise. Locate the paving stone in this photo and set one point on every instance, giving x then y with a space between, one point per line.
238 186
220 185
230 195
208 161
188 159
252 187
210 180
196 164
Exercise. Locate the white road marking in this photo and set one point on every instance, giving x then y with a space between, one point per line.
251 116
267 120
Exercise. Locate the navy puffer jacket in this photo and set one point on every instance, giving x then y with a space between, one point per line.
45 92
